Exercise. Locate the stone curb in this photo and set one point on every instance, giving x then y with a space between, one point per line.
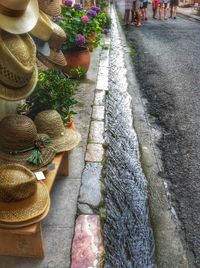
87 227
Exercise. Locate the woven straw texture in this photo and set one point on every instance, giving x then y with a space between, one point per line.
15 205
58 37
18 132
18 69
41 66
43 29
52 65
50 7
50 123
23 23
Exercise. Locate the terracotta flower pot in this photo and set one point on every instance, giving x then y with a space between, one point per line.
76 59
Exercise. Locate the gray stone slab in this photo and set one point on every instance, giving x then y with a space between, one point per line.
100 97
98 113
102 83
85 209
57 251
96 132
94 153
90 191
104 58
63 203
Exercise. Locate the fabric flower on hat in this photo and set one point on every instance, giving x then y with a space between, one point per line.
84 19
91 13
80 40
68 3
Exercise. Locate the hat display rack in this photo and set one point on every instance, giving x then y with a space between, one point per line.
29 41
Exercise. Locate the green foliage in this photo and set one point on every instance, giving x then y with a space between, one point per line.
53 91
102 3
104 20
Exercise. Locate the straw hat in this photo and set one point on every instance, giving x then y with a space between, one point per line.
58 37
19 143
22 197
50 7
43 29
50 123
18 16
18 69
56 60
42 46
41 66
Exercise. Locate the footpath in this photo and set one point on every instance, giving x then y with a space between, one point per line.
189 12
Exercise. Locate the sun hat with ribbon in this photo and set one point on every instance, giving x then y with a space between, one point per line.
43 29
50 7
22 197
19 16
18 69
20 143
58 37
56 60
50 123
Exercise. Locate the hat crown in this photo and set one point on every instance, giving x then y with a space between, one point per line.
16 183
17 132
50 123
18 57
15 4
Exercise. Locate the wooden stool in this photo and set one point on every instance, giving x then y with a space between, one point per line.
28 241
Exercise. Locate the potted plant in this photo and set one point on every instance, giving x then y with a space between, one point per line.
83 33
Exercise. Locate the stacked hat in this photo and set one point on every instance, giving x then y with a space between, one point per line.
18 69
50 123
50 7
20 143
23 199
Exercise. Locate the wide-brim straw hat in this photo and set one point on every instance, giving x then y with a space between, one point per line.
41 66
18 17
31 204
58 37
18 136
43 29
18 69
13 225
55 61
50 7
50 123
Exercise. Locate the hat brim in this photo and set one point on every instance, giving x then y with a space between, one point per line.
68 141
14 94
53 9
13 225
48 154
50 65
22 24
26 209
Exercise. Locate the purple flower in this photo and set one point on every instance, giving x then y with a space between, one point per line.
91 13
57 18
84 19
78 7
96 9
80 40
106 31
68 3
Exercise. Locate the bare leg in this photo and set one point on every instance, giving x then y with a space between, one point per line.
160 10
171 11
175 11
165 11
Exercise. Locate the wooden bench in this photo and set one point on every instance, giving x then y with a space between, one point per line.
28 241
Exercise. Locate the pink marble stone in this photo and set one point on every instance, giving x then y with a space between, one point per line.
87 245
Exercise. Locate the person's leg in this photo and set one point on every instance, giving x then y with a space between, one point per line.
165 11
175 8
171 11
145 13
126 16
160 10
156 10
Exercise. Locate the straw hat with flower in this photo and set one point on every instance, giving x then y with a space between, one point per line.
58 37
18 69
50 7
20 143
22 197
18 17
50 123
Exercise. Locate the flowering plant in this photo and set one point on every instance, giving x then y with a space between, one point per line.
81 26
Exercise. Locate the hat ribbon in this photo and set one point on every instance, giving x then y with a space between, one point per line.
10 12
36 157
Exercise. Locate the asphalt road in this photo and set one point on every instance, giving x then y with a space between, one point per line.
167 65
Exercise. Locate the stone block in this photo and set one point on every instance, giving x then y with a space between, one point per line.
94 153
87 246
102 83
96 132
98 113
100 97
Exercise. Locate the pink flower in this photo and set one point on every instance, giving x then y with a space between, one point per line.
84 19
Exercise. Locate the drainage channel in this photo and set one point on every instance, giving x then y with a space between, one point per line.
128 236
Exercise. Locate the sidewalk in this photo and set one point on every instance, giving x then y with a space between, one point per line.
188 12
